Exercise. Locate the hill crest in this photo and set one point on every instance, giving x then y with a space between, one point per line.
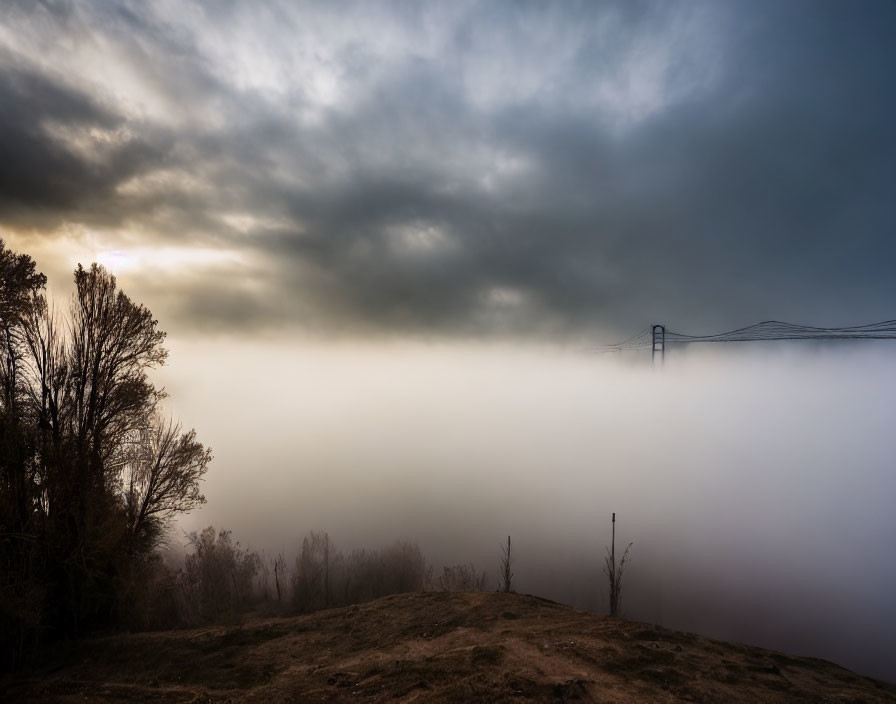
436 646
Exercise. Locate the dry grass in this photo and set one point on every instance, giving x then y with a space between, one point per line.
477 647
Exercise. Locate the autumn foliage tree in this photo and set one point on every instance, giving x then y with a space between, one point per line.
89 471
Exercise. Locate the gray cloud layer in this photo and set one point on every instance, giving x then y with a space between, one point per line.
506 168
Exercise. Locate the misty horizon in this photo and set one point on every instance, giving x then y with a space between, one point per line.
725 467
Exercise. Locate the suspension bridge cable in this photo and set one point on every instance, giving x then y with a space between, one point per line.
767 330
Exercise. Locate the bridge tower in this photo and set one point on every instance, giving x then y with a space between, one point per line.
658 335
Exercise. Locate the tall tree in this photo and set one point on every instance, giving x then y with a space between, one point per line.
114 342
20 286
103 397
88 471
21 591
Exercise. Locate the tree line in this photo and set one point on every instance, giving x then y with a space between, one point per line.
219 581
90 470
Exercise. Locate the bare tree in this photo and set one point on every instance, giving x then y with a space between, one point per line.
161 472
264 575
114 342
506 575
216 583
21 548
614 571
311 582
88 474
279 569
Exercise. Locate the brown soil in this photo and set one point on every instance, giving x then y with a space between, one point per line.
482 647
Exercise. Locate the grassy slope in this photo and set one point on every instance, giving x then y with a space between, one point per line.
482 647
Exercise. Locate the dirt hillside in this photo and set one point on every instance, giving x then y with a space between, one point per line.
482 647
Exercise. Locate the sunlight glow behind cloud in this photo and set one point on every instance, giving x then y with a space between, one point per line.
168 259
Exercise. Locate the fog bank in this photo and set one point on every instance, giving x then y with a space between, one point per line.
755 482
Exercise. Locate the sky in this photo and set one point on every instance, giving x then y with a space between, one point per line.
385 238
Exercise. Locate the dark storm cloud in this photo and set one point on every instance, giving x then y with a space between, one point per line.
501 169
37 174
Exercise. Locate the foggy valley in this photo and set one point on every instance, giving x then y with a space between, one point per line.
307 308
725 467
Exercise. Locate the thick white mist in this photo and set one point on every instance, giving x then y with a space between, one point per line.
756 482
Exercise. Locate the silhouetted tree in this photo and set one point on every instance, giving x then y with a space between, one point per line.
506 575
88 473
161 471
279 570
311 582
22 554
217 577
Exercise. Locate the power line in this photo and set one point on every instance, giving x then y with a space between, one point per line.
767 330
